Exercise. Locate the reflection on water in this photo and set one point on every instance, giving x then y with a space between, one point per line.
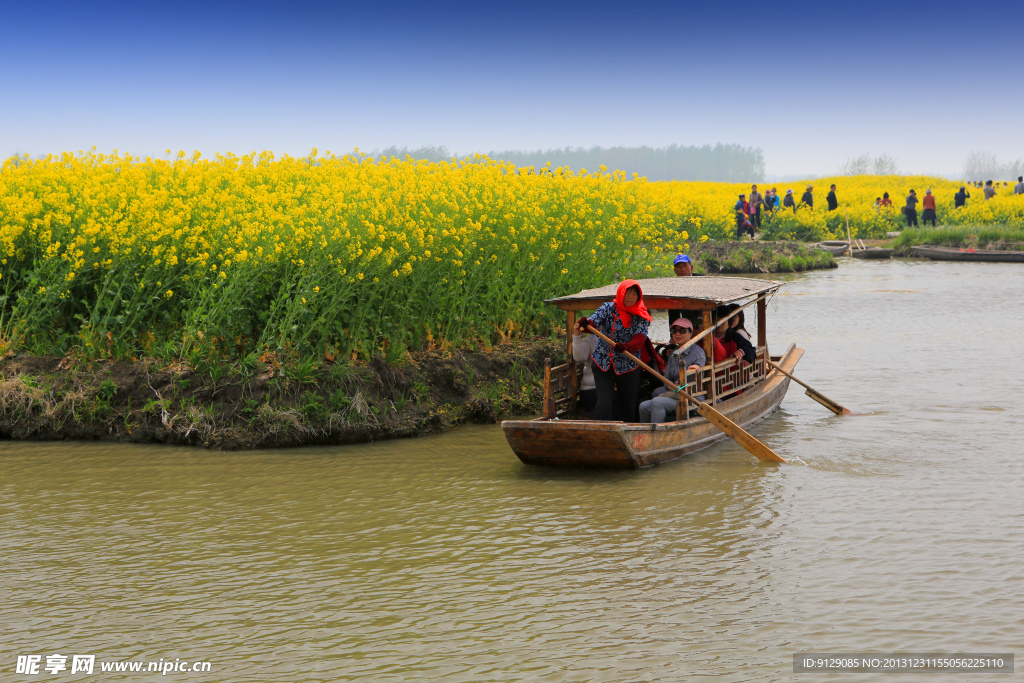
444 558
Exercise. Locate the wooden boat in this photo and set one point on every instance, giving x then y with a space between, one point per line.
952 254
872 253
745 393
832 249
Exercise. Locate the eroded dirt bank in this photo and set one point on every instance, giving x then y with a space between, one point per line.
268 405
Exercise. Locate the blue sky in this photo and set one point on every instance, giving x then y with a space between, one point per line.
812 84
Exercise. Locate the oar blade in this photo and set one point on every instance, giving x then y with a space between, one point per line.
828 403
738 434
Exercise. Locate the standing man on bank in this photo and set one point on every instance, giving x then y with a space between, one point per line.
808 197
961 197
742 210
928 204
755 202
910 210
833 203
788 202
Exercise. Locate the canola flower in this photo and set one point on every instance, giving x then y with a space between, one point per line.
707 208
351 255
323 254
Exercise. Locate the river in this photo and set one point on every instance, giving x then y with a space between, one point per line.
897 529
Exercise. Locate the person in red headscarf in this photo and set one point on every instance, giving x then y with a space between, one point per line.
625 322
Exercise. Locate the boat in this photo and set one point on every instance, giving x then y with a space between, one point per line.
839 247
745 393
832 249
872 253
953 254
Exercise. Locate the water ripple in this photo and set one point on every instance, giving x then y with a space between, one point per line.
444 558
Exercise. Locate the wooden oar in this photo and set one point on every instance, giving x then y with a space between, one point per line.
731 429
814 393
849 242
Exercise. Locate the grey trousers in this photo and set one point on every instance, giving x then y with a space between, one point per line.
656 410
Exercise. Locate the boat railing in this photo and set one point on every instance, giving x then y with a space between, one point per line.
726 379
561 385
710 383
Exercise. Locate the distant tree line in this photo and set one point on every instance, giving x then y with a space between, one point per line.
433 153
985 166
865 165
725 163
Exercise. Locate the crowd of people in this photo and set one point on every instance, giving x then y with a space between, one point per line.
749 209
928 214
614 387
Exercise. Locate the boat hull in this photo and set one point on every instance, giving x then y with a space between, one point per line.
872 253
987 255
618 445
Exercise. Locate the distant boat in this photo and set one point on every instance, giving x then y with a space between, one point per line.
872 253
953 254
839 247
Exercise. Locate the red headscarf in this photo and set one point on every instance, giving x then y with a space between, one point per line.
626 314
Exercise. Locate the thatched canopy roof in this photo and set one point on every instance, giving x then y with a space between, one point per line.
685 291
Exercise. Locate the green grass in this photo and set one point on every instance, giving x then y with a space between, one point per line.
966 236
713 258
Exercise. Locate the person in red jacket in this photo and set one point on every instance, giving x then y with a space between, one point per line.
625 322
725 345
928 204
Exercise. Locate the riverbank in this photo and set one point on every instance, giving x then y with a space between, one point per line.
269 405
726 258
966 237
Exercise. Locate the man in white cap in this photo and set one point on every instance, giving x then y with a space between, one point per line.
788 202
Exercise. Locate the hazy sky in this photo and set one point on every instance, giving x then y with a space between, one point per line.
812 84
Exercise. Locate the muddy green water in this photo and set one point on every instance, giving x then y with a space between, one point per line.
443 558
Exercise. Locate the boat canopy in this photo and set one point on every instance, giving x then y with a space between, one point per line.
693 293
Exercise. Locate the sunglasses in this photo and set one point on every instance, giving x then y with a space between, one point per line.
681 330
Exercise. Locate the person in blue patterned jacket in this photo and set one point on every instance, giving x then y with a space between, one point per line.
625 322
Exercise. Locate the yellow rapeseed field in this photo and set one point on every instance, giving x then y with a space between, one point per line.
350 255
323 254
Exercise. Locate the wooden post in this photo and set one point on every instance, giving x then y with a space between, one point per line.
570 322
762 322
849 241
573 388
549 405
709 341
712 391
709 353
762 337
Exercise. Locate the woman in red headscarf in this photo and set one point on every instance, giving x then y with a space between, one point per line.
625 322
